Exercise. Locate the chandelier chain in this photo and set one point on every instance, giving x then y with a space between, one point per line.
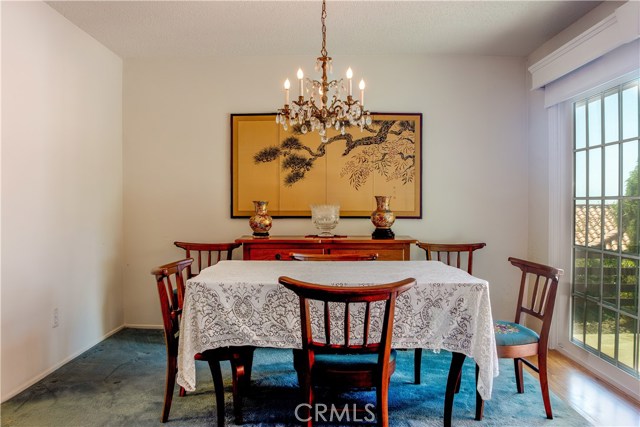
323 17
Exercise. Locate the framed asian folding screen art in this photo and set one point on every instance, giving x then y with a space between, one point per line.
292 170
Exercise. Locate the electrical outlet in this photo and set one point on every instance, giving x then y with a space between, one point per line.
56 320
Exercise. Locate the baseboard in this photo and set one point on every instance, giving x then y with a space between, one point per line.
137 326
58 365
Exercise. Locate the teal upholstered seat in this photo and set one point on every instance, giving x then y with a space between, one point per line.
510 333
350 361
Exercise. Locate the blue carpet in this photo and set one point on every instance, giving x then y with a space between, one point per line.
120 382
275 395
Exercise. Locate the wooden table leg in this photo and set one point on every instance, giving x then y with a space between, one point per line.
455 370
479 401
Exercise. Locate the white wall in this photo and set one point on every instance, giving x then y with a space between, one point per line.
61 192
177 151
539 178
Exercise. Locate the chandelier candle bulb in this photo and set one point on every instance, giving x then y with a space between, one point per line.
362 92
350 76
301 82
287 85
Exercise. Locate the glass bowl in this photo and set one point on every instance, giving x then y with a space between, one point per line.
325 218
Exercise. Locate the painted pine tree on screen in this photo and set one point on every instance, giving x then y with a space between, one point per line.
386 147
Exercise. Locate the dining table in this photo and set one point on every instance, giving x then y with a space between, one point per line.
240 303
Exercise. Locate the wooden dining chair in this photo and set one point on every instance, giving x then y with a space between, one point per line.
514 340
453 254
333 257
170 280
346 363
206 254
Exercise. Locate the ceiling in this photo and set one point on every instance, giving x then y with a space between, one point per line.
185 29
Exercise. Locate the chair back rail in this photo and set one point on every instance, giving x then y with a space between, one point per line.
206 254
451 253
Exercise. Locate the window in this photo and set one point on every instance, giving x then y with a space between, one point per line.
606 232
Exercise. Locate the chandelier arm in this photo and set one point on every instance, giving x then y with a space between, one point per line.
333 105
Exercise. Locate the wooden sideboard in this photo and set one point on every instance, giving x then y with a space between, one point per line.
279 247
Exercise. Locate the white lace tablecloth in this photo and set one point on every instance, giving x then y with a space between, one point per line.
238 303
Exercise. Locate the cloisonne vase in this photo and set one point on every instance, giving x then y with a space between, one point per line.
260 223
383 219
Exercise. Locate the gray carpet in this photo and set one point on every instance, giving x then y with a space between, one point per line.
120 382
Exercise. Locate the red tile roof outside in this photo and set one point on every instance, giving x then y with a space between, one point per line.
610 231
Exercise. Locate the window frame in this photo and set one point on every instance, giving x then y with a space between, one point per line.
602 198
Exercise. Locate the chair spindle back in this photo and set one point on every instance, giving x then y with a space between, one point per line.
538 288
451 252
170 280
346 296
206 254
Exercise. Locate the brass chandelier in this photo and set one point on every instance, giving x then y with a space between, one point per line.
325 108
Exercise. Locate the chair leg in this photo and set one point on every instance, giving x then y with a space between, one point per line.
214 366
169 385
247 361
544 384
479 401
517 364
457 359
307 397
182 392
382 398
417 364
238 385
